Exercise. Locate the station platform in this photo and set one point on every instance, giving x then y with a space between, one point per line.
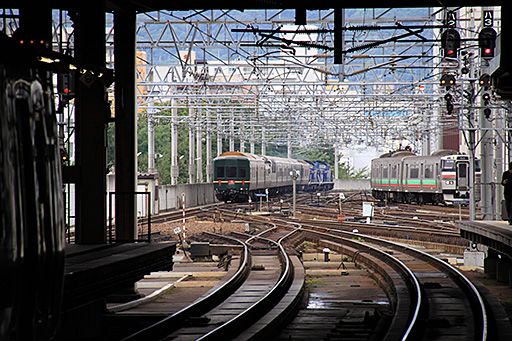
92 272
496 234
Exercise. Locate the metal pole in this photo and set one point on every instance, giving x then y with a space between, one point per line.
294 174
294 194
183 204
471 146
486 156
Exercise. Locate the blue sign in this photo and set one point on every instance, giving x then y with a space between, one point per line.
260 194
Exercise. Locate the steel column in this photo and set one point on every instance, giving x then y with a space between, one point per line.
126 125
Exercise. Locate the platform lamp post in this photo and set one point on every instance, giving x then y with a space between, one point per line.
295 175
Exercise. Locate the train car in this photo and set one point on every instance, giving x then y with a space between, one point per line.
439 178
455 182
239 176
31 202
320 176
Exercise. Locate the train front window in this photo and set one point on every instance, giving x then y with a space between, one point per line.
220 172
448 164
230 172
241 172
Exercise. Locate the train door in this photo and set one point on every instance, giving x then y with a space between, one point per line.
406 177
437 176
422 172
380 177
462 176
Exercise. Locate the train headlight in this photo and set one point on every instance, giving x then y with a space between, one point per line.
450 182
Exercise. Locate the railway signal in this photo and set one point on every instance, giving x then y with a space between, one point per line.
66 83
447 80
487 42
450 42
449 105
485 81
486 98
64 155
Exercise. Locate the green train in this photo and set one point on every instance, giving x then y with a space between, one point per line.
240 176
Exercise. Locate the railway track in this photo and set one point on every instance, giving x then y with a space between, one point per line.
425 298
443 304
232 308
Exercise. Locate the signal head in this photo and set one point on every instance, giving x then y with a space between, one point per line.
485 80
487 42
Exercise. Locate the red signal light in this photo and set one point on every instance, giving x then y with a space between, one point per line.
450 52
487 51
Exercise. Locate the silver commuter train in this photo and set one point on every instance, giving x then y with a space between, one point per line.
441 178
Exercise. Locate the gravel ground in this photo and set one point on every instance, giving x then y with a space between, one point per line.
194 227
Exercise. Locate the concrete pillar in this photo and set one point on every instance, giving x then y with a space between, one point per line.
486 155
232 133
174 144
91 123
336 161
219 133
209 167
263 142
126 124
191 150
490 263
199 150
289 145
502 270
253 149
498 169
151 145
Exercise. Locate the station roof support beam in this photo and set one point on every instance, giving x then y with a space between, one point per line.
89 24
126 125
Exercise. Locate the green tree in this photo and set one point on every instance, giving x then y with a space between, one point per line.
348 172
111 146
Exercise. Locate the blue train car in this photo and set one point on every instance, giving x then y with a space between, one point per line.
320 176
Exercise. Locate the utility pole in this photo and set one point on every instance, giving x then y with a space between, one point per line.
174 144
295 175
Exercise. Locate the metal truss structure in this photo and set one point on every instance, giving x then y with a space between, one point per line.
344 78
255 76
278 82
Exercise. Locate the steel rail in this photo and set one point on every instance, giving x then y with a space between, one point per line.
271 298
480 314
171 323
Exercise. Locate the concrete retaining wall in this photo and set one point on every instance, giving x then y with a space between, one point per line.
352 184
170 197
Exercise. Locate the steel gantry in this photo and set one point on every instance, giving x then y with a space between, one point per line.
342 78
345 78
260 71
